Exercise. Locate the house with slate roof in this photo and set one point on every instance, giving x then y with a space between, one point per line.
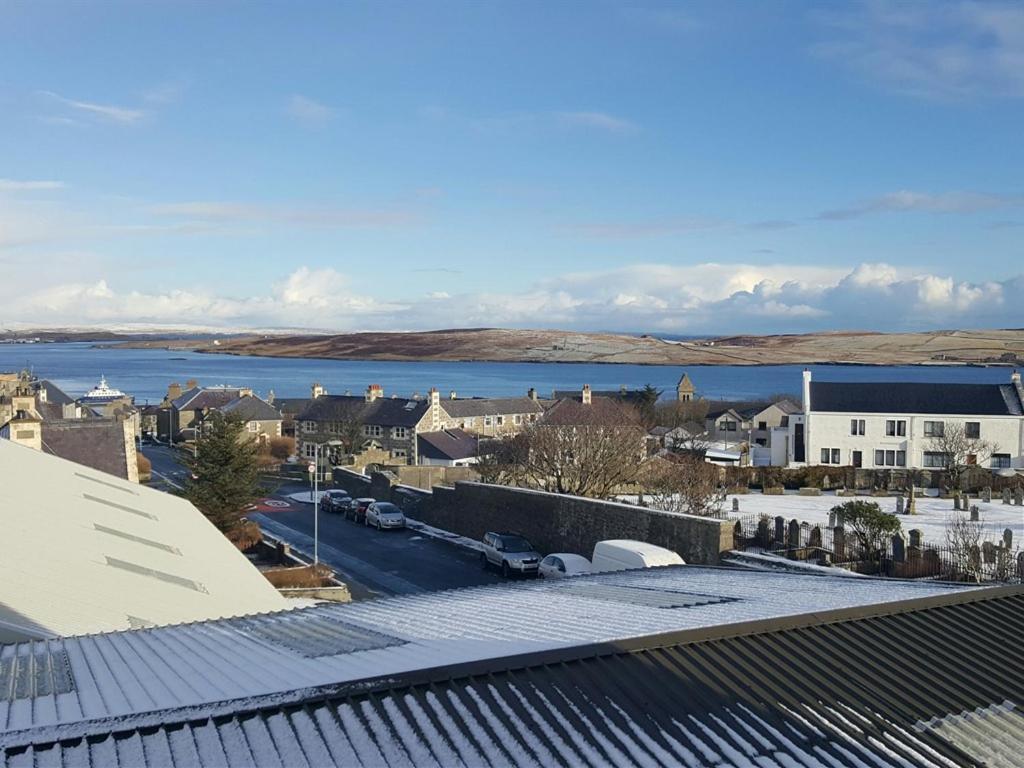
491 416
262 420
894 425
186 409
381 423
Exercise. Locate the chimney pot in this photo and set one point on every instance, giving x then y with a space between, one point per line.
585 395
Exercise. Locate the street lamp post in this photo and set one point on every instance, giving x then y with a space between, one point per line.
314 469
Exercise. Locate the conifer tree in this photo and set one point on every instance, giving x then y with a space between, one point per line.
224 472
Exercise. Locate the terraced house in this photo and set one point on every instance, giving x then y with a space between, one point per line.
493 416
370 422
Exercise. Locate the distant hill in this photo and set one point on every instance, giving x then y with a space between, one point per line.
995 347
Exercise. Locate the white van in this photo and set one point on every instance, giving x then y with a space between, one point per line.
624 554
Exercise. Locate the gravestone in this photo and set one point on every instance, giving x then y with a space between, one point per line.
735 505
956 501
1006 495
1008 538
1020 564
1018 496
931 561
794 533
975 513
916 534
913 553
814 537
780 530
832 519
763 532
899 548
911 502
839 543
974 557
988 552
986 494
899 505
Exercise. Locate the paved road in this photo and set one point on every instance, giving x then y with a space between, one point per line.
168 474
382 562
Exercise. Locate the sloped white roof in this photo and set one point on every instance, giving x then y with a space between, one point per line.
86 552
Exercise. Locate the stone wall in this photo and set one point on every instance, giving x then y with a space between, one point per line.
552 522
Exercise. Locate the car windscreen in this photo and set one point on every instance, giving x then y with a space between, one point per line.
515 544
388 509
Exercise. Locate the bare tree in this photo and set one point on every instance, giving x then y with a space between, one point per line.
685 484
676 413
503 461
961 450
963 536
348 426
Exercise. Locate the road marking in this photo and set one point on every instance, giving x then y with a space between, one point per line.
167 480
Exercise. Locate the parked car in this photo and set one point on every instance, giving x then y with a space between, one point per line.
357 509
563 564
511 553
334 501
385 515
625 554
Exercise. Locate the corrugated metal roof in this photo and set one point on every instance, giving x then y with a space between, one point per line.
85 552
194 666
934 682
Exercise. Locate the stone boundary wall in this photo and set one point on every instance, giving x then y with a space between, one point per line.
552 522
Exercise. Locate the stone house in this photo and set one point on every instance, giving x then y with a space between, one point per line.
185 410
262 420
491 417
372 421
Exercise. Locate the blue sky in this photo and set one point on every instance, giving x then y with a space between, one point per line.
669 168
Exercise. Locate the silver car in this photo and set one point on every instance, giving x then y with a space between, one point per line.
384 515
511 553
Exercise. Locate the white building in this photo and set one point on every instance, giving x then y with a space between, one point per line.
883 425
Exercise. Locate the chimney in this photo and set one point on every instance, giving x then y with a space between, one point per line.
245 392
451 395
174 391
807 390
532 394
586 394
1015 377
317 390
270 397
435 409
191 384
373 392
622 389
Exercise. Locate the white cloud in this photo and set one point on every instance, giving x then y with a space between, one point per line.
601 120
701 298
947 51
14 185
906 200
108 112
308 110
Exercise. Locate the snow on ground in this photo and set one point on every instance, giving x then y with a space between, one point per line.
932 512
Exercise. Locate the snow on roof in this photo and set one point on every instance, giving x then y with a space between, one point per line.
195 666
85 552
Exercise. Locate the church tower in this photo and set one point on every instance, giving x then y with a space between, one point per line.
685 389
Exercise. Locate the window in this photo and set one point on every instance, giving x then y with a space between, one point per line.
935 429
253 426
399 433
499 420
533 417
727 425
373 430
935 459
784 422
890 458
398 453
309 449
829 455
517 418
1000 461
488 421
972 429
761 441
895 428
309 426
857 426
762 426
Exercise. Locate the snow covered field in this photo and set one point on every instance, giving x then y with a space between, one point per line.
931 517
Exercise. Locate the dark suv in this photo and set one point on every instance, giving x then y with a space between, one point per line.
510 552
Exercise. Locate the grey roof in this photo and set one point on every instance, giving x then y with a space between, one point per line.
54 394
631 396
894 683
97 443
447 445
384 411
201 398
491 406
290 406
912 397
251 408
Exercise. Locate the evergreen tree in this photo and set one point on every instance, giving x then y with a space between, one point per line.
646 405
224 472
